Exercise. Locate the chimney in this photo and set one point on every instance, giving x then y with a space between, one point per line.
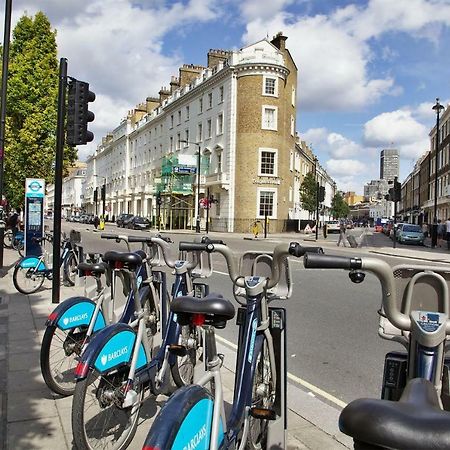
216 56
279 41
188 73
163 94
174 84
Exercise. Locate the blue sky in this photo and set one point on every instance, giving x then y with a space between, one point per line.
369 71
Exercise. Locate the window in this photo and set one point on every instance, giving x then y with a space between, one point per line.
267 162
292 126
178 141
171 121
270 86
171 143
161 130
269 118
291 160
294 96
266 202
219 124
179 117
219 162
200 105
186 138
209 128
187 112
199 132
221 94
210 100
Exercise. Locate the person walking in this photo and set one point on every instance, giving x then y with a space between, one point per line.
96 222
447 234
441 232
342 234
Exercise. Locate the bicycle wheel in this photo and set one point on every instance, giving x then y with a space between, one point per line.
70 269
98 418
152 319
60 350
263 396
17 244
183 369
8 238
27 280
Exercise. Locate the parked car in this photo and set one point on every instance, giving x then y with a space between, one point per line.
409 233
333 226
121 220
138 223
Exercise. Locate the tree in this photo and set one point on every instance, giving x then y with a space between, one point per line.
338 207
31 112
308 192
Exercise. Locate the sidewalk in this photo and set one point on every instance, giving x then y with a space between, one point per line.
31 417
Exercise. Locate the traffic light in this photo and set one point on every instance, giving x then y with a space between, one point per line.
103 192
158 199
321 193
95 195
78 115
391 195
397 190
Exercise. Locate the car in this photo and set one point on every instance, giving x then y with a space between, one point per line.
138 223
333 226
409 233
378 228
122 219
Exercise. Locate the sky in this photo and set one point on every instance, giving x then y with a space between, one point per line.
369 71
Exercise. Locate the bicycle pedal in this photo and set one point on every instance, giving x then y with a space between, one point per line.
264 414
178 350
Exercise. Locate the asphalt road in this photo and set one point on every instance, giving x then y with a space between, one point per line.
332 323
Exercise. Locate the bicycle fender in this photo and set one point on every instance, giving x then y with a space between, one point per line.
30 262
109 349
184 422
75 312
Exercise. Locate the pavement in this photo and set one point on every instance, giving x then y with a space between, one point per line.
31 417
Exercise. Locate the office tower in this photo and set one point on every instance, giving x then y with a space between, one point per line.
389 164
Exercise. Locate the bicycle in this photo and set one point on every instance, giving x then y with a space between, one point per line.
413 412
194 417
31 271
116 368
72 323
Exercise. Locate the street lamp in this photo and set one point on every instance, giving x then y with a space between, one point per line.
434 231
316 179
103 192
197 199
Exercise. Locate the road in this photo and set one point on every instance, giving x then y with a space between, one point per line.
332 323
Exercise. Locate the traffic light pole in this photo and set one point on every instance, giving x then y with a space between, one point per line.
394 237
317 211
56 282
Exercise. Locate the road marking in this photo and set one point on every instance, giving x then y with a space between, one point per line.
313 389
221 273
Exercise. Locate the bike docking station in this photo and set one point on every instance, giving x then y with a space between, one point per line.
259 264
34 215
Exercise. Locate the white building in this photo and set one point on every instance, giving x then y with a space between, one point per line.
72 190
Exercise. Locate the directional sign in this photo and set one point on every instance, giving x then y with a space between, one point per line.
184 169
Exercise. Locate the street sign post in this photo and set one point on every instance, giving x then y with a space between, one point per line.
34 215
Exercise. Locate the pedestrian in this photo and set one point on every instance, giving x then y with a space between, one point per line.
96 222
447 234
441 232
342 234
14 221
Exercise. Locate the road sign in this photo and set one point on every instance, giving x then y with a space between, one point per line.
34 187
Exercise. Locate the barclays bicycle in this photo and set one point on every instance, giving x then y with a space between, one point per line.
118 365
194 417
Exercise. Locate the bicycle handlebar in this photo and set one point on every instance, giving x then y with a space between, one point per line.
280 251
117 238
381 270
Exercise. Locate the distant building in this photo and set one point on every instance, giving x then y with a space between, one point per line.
375 190
389 164
351 198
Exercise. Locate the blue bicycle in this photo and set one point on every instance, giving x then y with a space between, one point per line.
118 365
194 417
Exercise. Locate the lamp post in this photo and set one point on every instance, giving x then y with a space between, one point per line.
317 197
103 191
197 197
434 231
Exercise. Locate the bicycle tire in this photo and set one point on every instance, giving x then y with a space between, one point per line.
184 421
183 369
28 274
17 244
87 392
8 238
70 269
61 380
263 396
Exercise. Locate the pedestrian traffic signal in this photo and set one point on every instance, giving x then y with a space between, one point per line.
78 114
158 199
321 193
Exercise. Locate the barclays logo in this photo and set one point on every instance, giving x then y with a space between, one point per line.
114 355
73 319
197 439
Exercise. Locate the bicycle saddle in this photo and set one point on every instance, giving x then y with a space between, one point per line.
415 422
131 260
216 309
94 268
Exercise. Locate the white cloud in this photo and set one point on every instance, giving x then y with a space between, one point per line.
263 9
345 167
337 145
397 129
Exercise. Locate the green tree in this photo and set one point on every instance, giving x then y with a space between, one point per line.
308 192
31 112
339 209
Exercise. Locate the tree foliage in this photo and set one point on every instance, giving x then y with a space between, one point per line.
339 209
308 192
31 107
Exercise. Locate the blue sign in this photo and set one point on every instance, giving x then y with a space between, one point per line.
34 214
184 169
